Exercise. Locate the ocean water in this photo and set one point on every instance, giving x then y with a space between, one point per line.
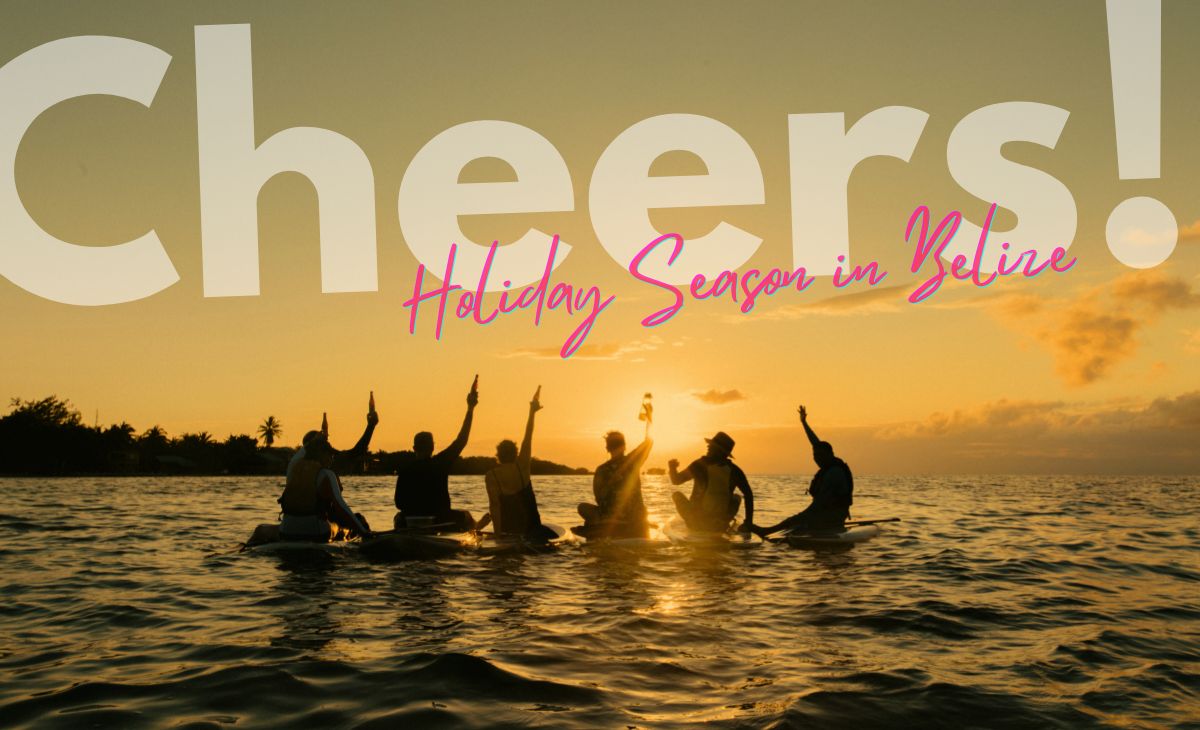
1016 602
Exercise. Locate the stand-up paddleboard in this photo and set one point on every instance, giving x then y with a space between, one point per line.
492 544
601 535
266 539
416 545
677 531
831 539
298 547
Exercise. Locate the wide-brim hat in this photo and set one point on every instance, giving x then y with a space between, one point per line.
722 440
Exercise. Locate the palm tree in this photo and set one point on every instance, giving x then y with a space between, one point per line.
204 438
270 430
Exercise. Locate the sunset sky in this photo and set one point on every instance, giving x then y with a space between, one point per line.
1092 370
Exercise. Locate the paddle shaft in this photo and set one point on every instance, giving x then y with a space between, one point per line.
856 523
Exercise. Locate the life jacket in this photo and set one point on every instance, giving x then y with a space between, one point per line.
836 501
714 501
513 505
300 495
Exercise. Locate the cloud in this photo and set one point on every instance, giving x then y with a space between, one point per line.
1155 291
953 295
1054 437
1009 436
1099 328
1190 233
719 397
1193 342
603 351
1031 417
875 300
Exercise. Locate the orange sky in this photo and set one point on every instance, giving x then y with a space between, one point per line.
1091 370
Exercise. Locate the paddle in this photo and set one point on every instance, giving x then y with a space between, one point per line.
853 523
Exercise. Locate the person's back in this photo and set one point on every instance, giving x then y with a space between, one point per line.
510 495
423 485
713 493
620 510
300 491
312 501
423 480
618 491
714 476
831 489
510 492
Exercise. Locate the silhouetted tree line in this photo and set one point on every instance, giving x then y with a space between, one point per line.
47 437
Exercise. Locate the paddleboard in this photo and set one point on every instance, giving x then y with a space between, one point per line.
265 539
493 544
677 531
404 545
596 534
601 540
833 539
297 547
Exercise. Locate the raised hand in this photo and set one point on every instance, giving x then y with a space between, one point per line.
535 405
803 414
473 394
372 416
673 463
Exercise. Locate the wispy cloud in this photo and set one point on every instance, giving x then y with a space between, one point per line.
1190 233
716 397
875 300
1099 327
1193 342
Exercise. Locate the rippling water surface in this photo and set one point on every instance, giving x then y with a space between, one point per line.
998 602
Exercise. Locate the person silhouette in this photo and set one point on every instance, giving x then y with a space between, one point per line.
619 510
513 504
312 502
714 476
423 482
832 490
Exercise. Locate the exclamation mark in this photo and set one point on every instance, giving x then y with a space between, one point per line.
1141 232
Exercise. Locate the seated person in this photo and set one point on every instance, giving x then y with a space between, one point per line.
313 507
423 482
510 492
712 503
619 510
832 491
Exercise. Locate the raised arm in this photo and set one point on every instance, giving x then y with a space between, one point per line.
346 458
364 441
812 437
678 477
525 456
634 459
464 433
